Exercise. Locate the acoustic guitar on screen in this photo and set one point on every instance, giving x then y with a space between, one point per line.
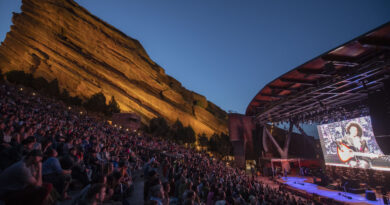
345 153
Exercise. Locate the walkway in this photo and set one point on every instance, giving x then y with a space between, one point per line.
137 197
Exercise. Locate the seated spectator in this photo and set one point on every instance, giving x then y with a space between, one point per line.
95 195
127 181
28 145
21 183
53 173
79 170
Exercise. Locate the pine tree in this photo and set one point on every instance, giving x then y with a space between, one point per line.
113 107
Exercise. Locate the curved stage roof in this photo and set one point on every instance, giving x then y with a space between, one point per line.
338 77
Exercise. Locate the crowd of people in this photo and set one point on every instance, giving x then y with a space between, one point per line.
48 149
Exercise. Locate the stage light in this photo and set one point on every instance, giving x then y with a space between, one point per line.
33 94
21 89
81 113
69 108
127 129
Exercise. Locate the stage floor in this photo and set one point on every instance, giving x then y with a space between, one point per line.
301 184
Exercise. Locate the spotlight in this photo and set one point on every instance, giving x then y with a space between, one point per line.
81 113
69 108
33 94
21 89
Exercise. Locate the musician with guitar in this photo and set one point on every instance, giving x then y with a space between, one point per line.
352 148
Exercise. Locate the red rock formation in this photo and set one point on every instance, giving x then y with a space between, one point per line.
60 39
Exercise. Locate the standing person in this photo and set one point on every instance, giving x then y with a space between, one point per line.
157 194
21 183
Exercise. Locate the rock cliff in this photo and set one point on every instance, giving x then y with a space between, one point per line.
60 39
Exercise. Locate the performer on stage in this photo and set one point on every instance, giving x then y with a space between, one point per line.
354 141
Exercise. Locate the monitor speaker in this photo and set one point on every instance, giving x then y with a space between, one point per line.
370 195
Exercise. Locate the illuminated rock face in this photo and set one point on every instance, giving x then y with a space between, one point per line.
60 39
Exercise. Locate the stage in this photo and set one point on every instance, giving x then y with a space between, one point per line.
300 183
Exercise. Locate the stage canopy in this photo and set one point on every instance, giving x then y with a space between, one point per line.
342 76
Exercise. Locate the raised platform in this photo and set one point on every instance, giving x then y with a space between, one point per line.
302 184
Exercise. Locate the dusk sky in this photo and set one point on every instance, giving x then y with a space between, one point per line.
227 50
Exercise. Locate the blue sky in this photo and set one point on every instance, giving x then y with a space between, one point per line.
227 50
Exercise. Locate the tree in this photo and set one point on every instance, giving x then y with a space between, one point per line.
16 76
220 145
39 83
213 144
177 125
225 147
159 127
177 132
112 107
189 135
65 97
75 101
203 140
53 89
96 103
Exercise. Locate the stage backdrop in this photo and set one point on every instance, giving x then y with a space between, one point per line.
351 143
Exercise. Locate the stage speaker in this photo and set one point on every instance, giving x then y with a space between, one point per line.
379 105
370 195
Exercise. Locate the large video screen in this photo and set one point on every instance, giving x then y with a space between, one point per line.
351 143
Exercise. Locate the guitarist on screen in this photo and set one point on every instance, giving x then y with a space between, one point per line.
353 145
